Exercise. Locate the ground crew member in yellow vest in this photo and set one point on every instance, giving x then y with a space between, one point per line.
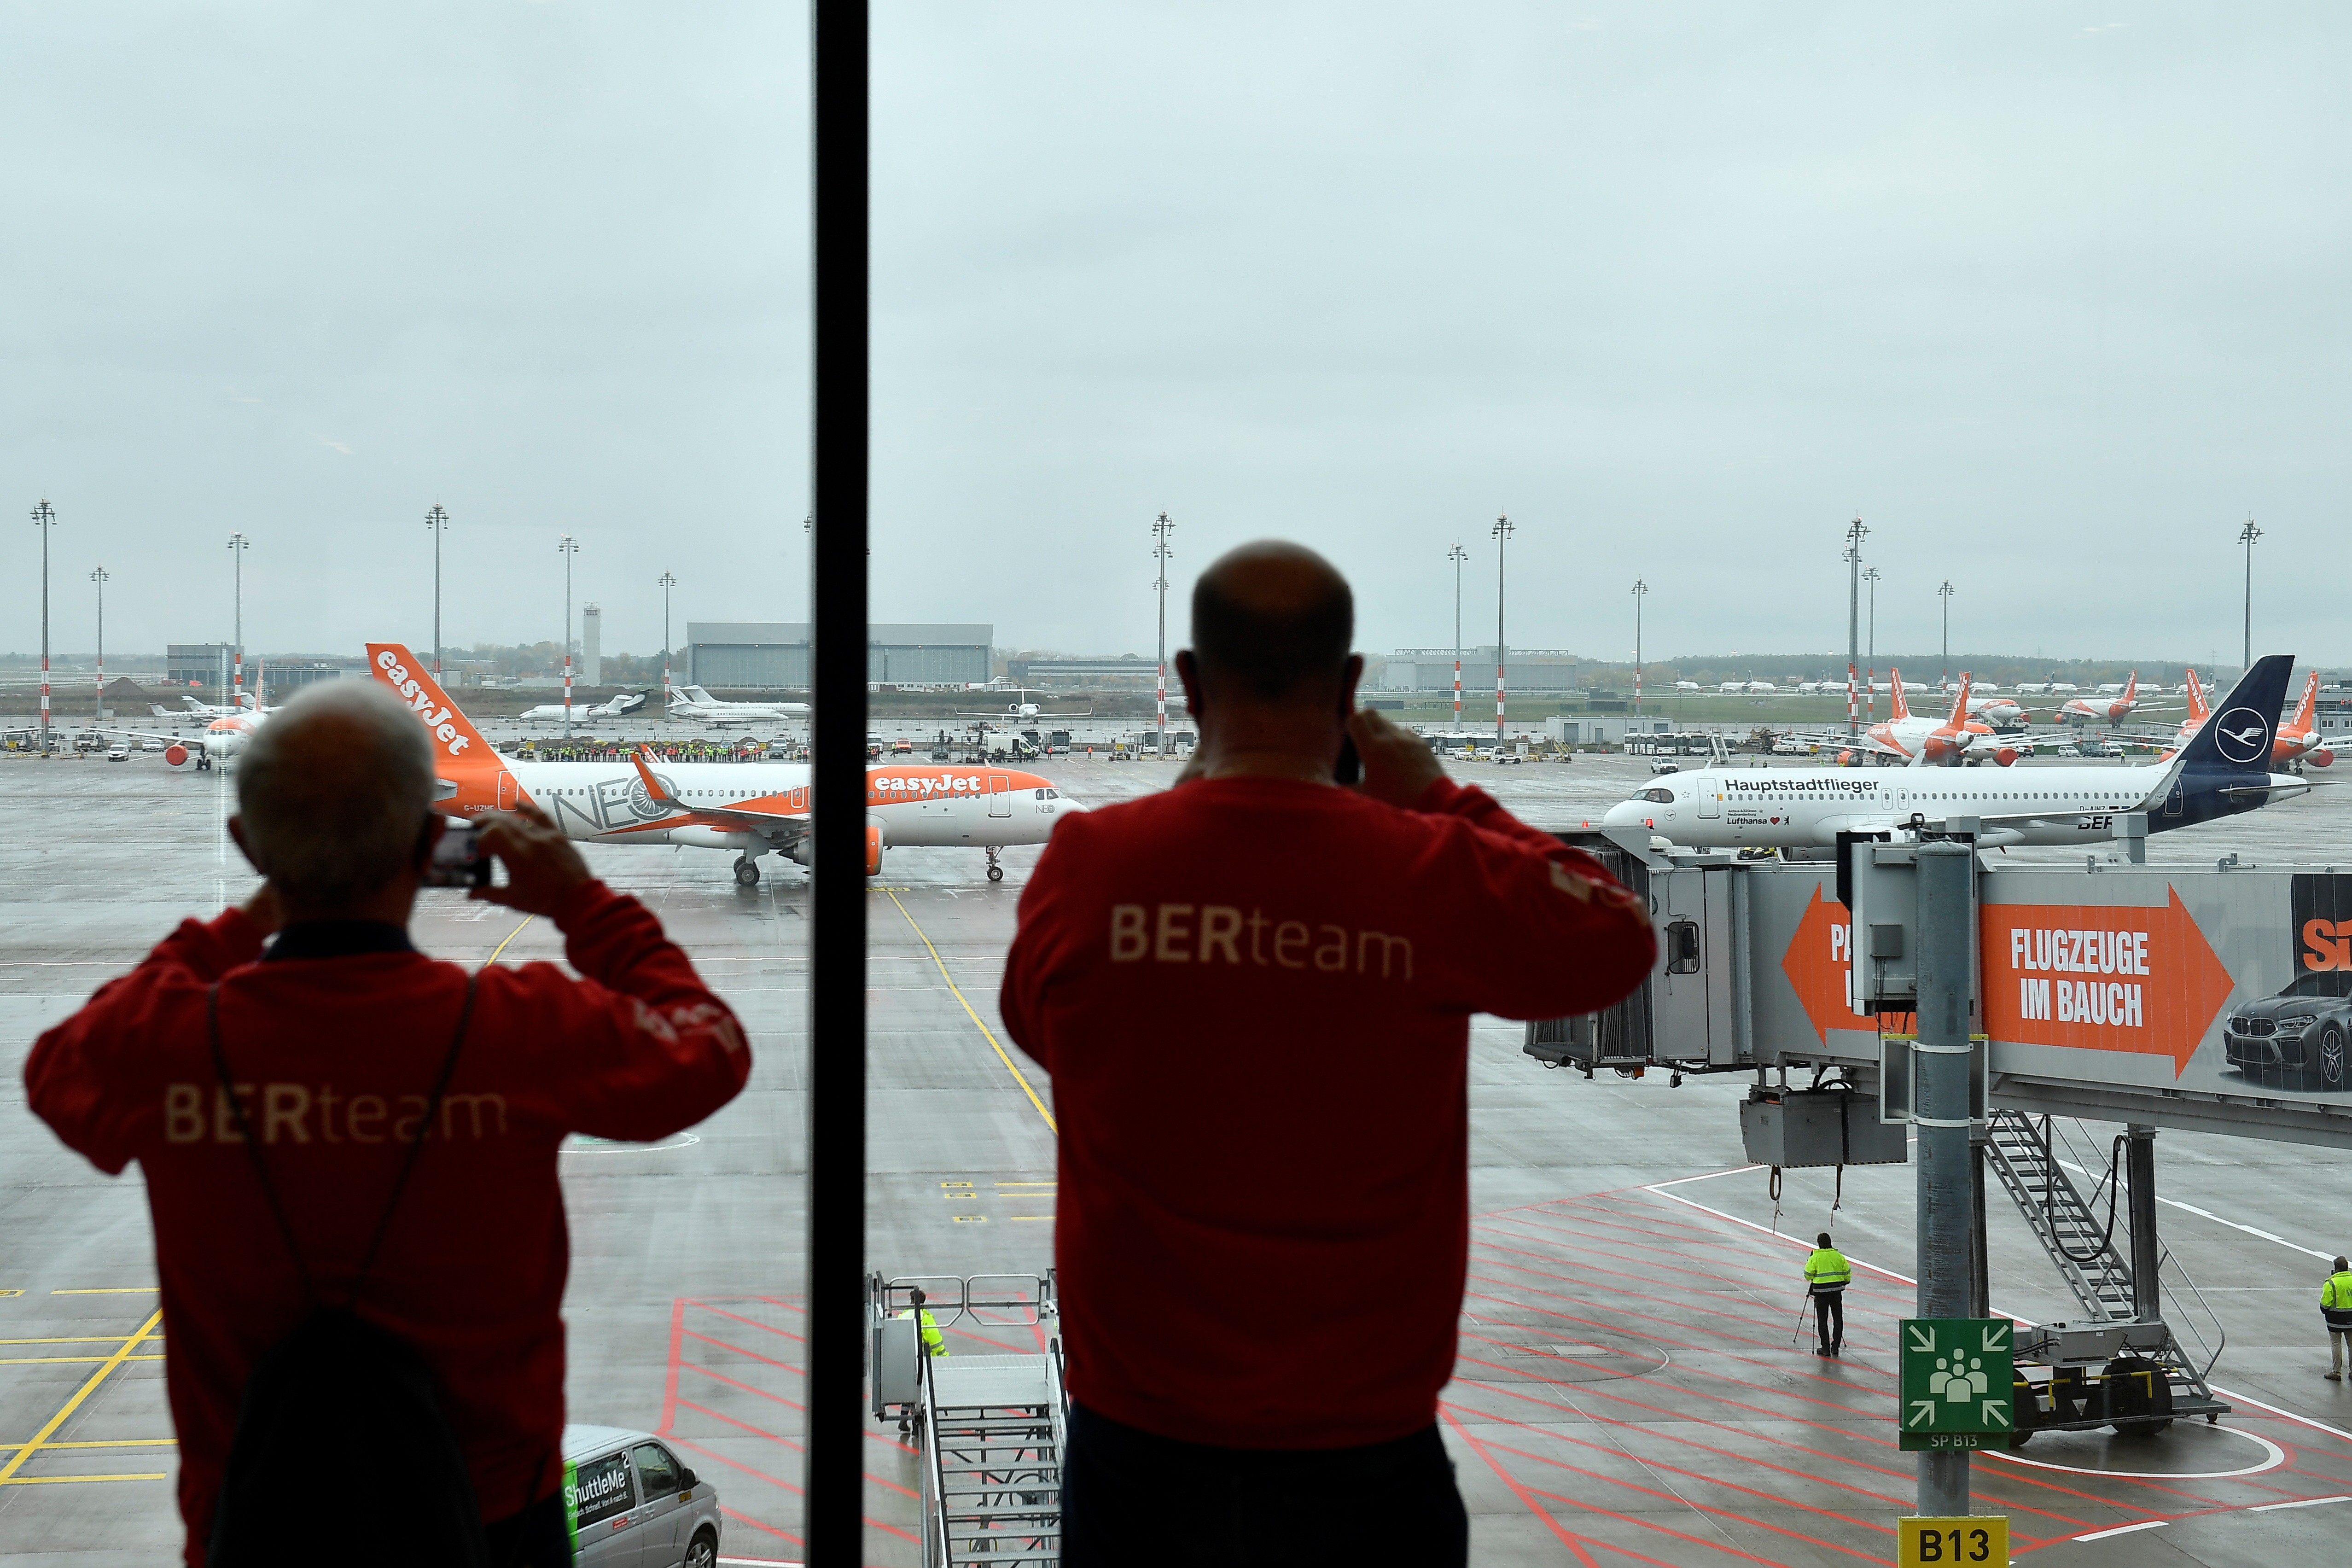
1827 1274
934 1342
2336 1305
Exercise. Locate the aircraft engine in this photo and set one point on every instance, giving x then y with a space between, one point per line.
804 851
177 756
2006 756
1845 759
2322 758
873 851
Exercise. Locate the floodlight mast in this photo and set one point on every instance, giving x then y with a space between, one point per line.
1944 593
1457 555
438 521
237 546
1640 592
1854 534
569 547
2246 536
1870 698
1503 531
45 518
1161 530
97 575
668 583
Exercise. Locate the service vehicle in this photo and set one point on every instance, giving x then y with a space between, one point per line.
119 753
630 1501
1662 766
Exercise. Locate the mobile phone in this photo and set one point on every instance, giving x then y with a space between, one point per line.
1350 768
457 859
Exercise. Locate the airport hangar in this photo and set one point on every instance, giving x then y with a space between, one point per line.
774 656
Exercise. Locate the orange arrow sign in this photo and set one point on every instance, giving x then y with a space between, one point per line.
1816 965
2100 978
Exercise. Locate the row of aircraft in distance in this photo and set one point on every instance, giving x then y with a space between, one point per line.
754 810
1973 732
2110 703
2221 764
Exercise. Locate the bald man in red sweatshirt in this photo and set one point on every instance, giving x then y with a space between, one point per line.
1254 994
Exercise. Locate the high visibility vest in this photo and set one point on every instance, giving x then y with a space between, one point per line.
2336 1294
934 1342
1827 1270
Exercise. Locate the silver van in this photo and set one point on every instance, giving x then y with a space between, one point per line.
632 1504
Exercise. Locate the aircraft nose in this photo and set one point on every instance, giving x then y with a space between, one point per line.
1626 814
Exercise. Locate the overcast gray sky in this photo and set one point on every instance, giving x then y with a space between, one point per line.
2053 296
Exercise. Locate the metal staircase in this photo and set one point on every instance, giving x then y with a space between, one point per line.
992 1439
2082 1249
990 1428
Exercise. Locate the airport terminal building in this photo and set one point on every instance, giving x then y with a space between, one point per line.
774 656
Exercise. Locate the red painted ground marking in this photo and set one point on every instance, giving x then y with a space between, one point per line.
1707 1448
1732 1514
738 1350
669 1388
1848 1433
1641 1523
717 1376
1558 1532
754 1323
771 1529
737 1464
1618 1452
775 1301
1714 1303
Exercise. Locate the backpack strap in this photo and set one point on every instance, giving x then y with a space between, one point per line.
407 1167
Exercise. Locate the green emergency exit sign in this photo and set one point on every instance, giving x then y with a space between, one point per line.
1955 1382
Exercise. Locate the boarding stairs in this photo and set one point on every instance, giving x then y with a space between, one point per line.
2083 1248
988 1429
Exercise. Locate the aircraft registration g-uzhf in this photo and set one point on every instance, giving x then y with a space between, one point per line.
2224 769
751 808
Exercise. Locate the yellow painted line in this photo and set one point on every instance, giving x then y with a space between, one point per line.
65 1359
985 1032
7 1480
112 1290
1017 1217
1013 1184
116 1443
510 936
72 1339
84 1392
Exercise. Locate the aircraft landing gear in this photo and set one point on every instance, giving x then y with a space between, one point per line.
995 871
747 872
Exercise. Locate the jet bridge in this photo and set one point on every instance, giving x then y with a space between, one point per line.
2211 998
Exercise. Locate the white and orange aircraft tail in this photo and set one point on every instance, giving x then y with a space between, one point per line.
2298 738
2109 709
752 809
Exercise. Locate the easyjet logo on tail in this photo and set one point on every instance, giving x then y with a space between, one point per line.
416 688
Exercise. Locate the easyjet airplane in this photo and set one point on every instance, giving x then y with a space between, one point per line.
1917 738
2298 738
751 808
2112 708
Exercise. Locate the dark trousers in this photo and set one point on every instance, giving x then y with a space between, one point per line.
537 1537
1829 1318
1131 1499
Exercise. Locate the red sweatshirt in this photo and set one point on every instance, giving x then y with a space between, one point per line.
332 1058
1253 996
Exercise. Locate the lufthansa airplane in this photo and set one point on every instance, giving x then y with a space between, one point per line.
2222 771
751 808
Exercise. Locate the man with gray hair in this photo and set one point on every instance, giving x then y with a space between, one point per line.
274 1096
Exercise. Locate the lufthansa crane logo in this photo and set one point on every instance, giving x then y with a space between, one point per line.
2241 735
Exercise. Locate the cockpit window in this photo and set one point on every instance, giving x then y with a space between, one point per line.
1663 796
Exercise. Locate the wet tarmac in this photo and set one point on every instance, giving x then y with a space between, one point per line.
1629 1390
